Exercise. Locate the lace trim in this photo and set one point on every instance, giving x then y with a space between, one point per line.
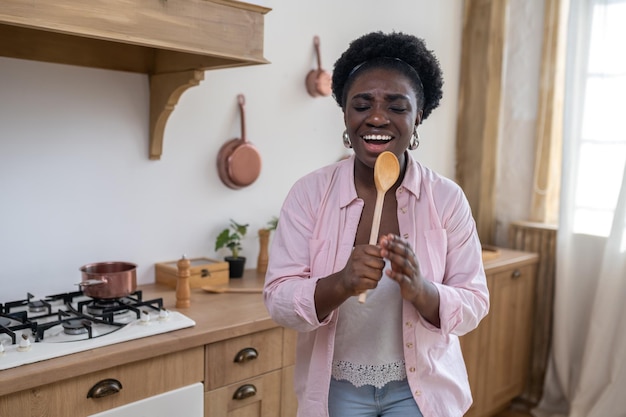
375 375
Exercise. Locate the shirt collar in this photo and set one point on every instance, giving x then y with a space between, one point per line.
346 175
413 176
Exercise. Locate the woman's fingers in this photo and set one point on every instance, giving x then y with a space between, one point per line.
404 265
399 253
364 269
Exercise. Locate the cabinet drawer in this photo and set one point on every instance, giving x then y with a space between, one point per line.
243 357
138 380
256 397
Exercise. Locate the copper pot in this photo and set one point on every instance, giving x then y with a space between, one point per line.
107 280
238 161
318 82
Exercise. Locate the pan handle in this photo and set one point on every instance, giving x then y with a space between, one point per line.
242 101
316 43
90 282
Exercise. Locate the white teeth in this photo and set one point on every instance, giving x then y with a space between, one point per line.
377 137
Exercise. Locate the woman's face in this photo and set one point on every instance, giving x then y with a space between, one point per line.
380 113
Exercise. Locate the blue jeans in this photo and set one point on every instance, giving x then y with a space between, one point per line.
392 400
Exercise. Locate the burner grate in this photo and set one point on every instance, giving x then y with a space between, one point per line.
67 313
76 313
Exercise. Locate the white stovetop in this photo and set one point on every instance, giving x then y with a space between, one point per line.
137 329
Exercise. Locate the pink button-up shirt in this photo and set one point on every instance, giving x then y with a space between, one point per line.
315 235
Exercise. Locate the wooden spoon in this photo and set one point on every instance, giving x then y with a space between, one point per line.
222 290
386 172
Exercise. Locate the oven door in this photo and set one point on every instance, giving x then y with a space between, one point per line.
187 401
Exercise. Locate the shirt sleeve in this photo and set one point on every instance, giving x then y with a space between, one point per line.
463 293
289 289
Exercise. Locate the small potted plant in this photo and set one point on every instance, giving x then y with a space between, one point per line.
264 237
231 238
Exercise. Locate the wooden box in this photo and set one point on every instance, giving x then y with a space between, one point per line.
204 271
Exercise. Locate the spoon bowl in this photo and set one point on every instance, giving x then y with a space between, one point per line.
386 171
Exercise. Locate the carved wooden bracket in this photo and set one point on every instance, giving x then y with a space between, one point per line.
165 91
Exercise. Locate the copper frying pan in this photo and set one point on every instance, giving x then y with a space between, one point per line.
318 82
238 161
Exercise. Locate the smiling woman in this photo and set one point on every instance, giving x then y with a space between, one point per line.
422 268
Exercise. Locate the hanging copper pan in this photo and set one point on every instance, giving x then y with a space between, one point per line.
238 161
319 81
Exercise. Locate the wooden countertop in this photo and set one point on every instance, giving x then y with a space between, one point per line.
508 256
217 316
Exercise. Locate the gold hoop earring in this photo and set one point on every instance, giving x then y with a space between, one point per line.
414 142
346 140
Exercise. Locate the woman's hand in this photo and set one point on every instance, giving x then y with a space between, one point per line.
406 272
362 272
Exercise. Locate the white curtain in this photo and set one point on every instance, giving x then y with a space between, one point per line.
587 371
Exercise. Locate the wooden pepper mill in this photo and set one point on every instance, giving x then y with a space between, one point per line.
183 290
263 259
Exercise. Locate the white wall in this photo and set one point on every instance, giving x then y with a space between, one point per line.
76 184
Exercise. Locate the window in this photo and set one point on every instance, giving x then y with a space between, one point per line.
602 147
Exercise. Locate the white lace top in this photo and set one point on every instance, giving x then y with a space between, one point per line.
368 342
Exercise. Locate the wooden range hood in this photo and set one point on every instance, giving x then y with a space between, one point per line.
173 41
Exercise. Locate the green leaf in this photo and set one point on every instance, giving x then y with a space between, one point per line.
232 240
222 239
273 223
240 229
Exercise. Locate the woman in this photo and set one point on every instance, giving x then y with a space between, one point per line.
398 353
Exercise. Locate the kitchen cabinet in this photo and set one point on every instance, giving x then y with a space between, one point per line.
235 350
243 375
251 375
172 41
120 385
256 397
497 353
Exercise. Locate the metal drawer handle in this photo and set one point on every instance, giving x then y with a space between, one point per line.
104 388
245 391
205 273
246 355
516 274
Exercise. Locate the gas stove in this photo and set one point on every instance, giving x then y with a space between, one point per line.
36 329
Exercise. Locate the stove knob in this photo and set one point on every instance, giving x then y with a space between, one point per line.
24 343
164 314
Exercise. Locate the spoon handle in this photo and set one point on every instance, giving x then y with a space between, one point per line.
378 211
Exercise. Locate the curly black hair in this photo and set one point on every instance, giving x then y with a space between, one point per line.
377 49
